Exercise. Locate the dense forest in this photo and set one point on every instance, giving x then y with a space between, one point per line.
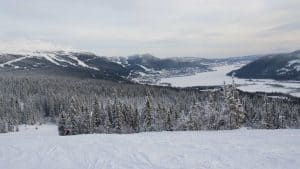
81 106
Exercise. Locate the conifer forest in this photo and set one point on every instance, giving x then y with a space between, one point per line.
82 106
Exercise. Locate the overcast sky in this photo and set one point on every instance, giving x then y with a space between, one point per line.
164 28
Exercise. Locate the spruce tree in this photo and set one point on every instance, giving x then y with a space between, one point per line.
148 116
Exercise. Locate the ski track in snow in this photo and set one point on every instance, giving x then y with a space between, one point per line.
51 58
81 63
13 61
231 149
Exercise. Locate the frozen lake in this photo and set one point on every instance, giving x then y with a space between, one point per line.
218 77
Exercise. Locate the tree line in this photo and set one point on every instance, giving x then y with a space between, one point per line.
81 106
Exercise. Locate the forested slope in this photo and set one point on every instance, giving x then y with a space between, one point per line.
89 106
284 66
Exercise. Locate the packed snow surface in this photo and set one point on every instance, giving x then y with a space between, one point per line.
218 77
231 149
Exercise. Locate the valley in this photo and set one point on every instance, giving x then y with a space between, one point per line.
218 76
148 69
149 84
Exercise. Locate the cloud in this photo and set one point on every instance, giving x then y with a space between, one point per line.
294 26
17 45
206 28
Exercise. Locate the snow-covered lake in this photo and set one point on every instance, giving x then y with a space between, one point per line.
231 149
218 77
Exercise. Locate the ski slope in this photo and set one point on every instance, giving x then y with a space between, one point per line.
51 56
236 149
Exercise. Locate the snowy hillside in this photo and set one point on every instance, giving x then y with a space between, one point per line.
247 149
138 68
61 63
293 65
283 66
59 58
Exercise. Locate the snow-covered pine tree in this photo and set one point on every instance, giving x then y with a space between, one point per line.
74 118
168 121
3 126
62 124
96 116
234 106
136 121
148 116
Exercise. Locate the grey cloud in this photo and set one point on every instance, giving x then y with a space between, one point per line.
164 28
295 26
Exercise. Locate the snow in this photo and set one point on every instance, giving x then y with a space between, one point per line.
120 63
263 88
295 94
231 149
63 60
50 56
292 62
292 65
296 64
81 63
145 68
210 78
218 77
12 61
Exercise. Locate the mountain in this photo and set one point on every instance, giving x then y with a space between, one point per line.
155 63
77 64
283 66
89 65
144 68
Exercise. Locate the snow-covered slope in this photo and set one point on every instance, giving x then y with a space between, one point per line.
292 65
59 58
139 68
62 63
246 149
149 69
284 66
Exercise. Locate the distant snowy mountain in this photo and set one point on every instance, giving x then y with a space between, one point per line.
79 64
149 69
143 68
284 66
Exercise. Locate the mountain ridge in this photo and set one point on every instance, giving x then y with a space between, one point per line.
140 67
282 66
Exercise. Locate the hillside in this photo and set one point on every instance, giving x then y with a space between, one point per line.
284 66
139 68
62 63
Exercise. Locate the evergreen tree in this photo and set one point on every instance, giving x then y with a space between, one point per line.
62 124
169 125
148 116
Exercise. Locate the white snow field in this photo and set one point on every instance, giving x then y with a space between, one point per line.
231 149
218 76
